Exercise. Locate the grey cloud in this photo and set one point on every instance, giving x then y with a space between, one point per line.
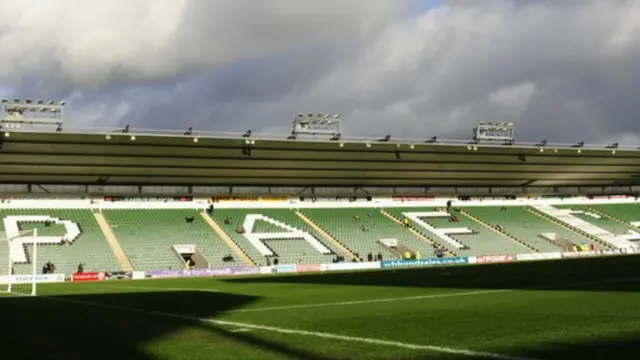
562 70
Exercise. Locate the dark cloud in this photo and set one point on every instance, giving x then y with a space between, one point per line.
562 70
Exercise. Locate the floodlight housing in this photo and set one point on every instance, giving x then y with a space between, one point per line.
316 124
494 132
31 112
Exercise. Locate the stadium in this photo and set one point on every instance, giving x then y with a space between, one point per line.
143 245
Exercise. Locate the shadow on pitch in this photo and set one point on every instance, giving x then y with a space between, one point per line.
620 273
66 328
63 328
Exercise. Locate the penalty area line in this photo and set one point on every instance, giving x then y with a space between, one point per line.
372 301
281 330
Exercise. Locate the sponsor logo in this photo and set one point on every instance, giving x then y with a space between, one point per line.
280 269
488 259
351 266
424 262
250 198
540 256
309 268
412 198
88 276
27 279
226 271
578 254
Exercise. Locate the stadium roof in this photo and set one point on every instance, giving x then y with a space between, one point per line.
152 159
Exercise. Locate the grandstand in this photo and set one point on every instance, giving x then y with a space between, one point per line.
125 203
304 202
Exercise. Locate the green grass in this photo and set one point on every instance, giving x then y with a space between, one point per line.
570 309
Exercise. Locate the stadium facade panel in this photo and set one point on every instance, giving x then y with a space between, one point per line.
138 159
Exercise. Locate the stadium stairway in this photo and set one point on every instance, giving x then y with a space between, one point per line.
337 244
236 249
568 227
495 229
399 250
613 217
113 242
419 234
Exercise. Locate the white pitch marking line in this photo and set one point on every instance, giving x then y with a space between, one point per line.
323 335
155 288
372 301
432 296
240 330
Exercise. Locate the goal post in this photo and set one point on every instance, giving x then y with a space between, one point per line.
20 279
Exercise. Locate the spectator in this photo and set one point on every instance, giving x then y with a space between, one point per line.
380 256
369 257
80 268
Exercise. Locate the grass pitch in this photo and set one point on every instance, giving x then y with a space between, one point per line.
571 309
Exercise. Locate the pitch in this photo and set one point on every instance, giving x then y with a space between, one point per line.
570 309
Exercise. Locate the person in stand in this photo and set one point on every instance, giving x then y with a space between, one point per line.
80 268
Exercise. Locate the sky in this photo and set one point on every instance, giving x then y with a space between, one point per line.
564 71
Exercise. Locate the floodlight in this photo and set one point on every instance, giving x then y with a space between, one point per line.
341 144
475 148
300 115
336 117
195 140
133 137
368 145
411 146
613 152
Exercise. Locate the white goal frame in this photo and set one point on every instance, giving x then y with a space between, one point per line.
34 263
